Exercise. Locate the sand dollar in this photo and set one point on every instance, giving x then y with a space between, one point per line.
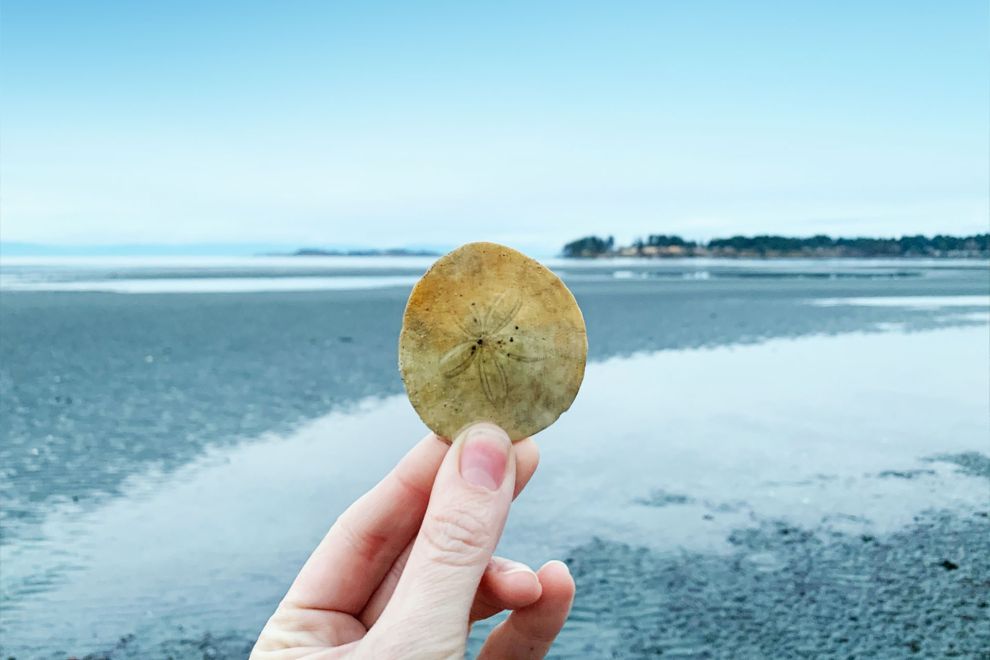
491 334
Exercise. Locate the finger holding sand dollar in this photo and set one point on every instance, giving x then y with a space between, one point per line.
491 334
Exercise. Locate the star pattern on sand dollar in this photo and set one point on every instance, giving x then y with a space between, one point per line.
488 342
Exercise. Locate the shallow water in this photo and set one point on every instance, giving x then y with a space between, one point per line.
748 417
261 273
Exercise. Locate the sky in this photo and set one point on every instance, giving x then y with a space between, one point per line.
529 123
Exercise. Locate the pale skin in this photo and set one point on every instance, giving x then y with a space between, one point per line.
409 566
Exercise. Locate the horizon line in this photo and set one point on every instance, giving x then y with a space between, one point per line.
263 248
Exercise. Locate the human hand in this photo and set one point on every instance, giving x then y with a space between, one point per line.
408 567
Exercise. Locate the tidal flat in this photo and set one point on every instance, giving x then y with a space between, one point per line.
763 460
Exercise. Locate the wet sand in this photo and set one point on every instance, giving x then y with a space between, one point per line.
789 592
101 390
95 387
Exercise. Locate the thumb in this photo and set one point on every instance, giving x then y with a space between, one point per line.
468 506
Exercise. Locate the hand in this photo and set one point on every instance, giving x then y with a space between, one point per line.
407 568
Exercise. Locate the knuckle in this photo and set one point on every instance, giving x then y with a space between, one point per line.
364 544
457 538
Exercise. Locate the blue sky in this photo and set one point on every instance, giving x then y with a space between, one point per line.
530 123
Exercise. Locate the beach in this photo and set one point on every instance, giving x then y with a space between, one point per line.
766 459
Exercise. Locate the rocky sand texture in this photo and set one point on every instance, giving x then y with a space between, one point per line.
791 593
787 592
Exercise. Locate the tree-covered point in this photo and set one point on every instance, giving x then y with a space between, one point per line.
663 240
765 245
589 246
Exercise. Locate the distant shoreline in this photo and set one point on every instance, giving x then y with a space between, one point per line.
391 252
661 246
774 257
10 249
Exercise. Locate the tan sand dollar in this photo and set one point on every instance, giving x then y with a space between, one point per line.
490 334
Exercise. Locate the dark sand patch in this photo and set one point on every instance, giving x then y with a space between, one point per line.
905 474
661 498
791 592
207 647
971 463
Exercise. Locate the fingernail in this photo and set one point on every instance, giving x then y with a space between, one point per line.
557 562
506 566
484 455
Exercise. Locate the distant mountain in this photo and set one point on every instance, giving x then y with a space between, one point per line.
366 252
23 249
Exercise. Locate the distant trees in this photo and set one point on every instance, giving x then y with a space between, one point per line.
589 246
663 240
766 245
905 246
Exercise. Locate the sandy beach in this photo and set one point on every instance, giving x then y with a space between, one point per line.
168 454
